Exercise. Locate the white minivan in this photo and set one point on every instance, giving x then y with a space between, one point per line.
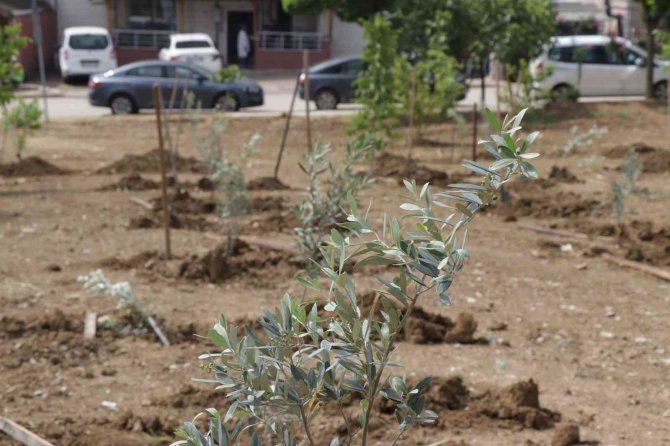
610 66
86 50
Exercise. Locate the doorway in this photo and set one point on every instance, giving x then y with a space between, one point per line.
238 20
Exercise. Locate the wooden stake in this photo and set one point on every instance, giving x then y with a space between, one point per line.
475 118
305 67
168 135
549 231
498 89
660 273
286 128
21 434
158 105
412 105
138 201
90 324
154 326
270 244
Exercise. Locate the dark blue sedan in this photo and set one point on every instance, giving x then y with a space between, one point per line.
129 88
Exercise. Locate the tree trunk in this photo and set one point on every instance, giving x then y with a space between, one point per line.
651 50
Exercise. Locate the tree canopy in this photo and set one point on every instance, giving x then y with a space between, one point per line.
347 10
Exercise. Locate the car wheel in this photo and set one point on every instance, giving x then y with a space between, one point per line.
122 105
661 90
226 102
563 94
326 100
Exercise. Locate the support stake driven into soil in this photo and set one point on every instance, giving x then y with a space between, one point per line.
158 104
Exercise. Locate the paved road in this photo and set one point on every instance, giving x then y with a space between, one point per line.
70 101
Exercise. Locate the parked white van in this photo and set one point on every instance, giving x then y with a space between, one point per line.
86 50
609 67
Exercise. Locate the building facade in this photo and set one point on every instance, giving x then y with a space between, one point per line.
141 27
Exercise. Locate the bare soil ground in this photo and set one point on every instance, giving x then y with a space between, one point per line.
568 336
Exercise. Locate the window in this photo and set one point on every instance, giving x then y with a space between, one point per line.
596 55
562 54
150 14
353 67
148 71
182 73
631 57
88 42
193 44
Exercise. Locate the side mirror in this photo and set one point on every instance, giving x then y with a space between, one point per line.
640 62
201 80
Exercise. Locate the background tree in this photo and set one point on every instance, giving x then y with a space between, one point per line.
375 88
653 13
11 43
347 10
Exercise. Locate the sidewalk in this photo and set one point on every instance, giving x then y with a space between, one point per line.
30 90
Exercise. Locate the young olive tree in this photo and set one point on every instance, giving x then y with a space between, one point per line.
306 358
22 119
331 186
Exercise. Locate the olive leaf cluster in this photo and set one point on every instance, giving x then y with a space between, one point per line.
338 347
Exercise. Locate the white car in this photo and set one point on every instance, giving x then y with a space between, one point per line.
609 67
86 50
193 49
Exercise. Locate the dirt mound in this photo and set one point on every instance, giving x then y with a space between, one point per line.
206 184
238 259
389 165
653 160
266 183
150 162
133 181
182 202
267 204
533 199
562 174
423 327
53 321
641 241
519 402
155 220
33 166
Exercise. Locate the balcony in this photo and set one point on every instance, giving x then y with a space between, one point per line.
290 41
146 39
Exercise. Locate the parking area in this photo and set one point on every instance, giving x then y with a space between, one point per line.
70 101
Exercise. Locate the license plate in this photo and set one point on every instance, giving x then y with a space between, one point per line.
89 63
192 59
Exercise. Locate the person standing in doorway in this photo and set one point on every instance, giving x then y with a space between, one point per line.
243 46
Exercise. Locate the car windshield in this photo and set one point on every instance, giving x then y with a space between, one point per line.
328 67
89 42
193 44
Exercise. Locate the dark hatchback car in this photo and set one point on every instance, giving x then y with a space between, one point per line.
332 82
129 88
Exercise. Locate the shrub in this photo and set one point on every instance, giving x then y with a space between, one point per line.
23 119
631 168
309 357
230 73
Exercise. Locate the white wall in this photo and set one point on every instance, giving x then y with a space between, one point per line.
79 13
347 38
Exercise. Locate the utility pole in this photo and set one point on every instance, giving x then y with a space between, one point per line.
37 37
